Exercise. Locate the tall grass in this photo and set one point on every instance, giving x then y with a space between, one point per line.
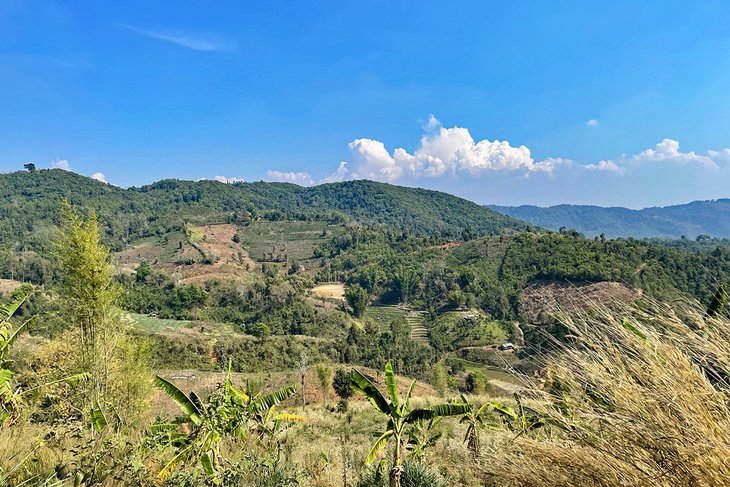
638 397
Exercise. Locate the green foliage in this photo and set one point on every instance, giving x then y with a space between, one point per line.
690 219
358 298
717 307
228 412
341 384
399 414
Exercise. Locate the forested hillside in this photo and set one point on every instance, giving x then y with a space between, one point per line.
691 220
29 200
234 293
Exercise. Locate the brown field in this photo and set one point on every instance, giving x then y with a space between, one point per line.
539 297
334 290
9 285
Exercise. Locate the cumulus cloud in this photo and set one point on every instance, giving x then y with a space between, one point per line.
61 164
447 151
721 155
99 177
300 178
339 175
453 151
609 166
432 123
225 180
668 150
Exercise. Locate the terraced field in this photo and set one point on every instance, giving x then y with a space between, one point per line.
383 315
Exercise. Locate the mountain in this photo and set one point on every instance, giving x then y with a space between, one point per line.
711 217
29 202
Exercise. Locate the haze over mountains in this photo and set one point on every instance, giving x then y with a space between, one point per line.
711 217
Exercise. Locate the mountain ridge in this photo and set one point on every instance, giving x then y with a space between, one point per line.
29 200
700 217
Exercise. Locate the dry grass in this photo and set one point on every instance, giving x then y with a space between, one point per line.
329 291
638 398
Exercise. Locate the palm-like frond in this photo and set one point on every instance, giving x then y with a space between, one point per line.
10 340
378 446
439 410
188 407
391 384
98 419
362 385
7 310
273 398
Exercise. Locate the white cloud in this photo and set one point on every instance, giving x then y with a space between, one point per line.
668 150
225 180
453 151
432 124
450 150
339 175
196 42
61 164
721 155
300 178
99 177
609 166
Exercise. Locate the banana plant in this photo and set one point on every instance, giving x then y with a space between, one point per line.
228 412
399 414
9 396
421 437
477 418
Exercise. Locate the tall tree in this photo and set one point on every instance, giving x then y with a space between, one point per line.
88 289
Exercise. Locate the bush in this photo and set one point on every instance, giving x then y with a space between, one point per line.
341 384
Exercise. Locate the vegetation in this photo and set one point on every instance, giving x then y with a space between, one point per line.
694 220
246 349
399 415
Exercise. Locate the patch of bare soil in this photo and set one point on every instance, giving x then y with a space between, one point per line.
9 285
227 260
335 290
539 299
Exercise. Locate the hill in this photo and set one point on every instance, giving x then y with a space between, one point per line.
710 217
29 200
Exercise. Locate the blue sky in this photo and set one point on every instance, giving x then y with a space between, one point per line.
610 103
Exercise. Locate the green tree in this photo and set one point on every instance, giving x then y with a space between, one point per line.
30 167
341 384
440 378
400 416
324 374
717 307
90 295
358 299
476 382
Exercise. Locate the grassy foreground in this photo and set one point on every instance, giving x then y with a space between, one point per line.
636 396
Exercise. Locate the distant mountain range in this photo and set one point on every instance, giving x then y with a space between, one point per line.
710 217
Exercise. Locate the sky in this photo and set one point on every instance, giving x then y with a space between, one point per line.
609 103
